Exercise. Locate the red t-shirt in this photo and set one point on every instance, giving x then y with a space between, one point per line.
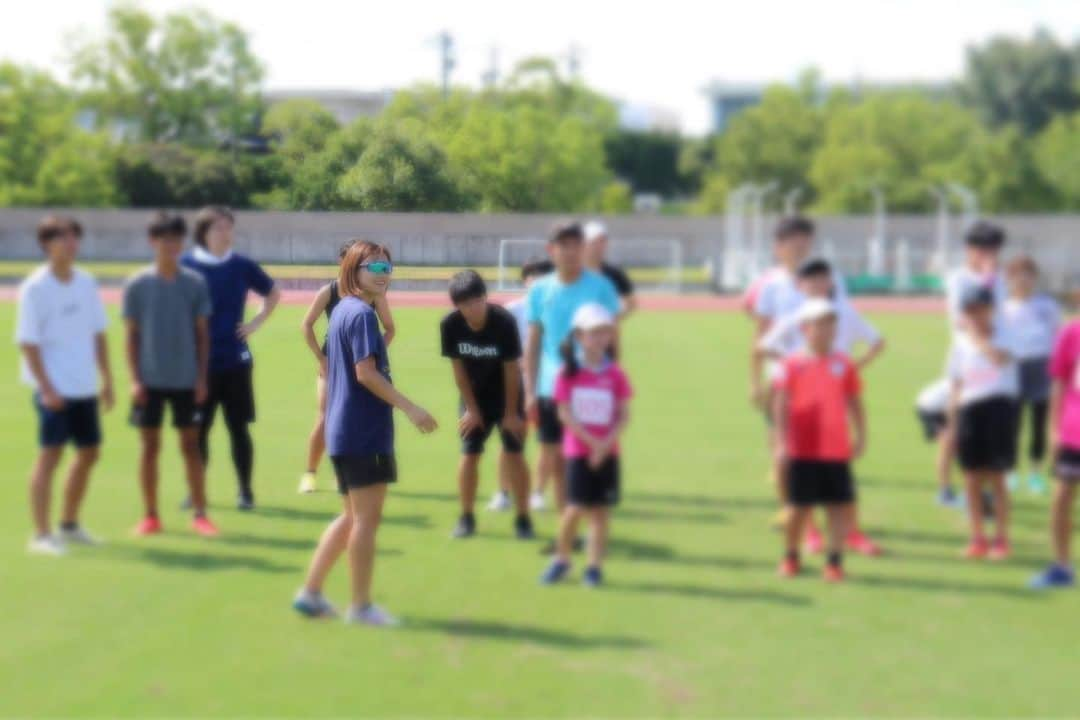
818 390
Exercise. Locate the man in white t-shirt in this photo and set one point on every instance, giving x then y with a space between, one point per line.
60 328
981 268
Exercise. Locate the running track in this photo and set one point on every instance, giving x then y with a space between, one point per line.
646 301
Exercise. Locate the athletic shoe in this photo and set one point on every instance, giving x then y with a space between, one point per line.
523 528
500 502
1036 484
465 528
202 525
148 526
789 568
307 483
46 545
1012 481
977 549
185 504
1054 576
246 503
78 536
371 614
593 577
832 573
861 544
999 550
313 605
814 542
947 497
555 572
537 502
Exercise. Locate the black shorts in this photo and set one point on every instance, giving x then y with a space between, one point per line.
78 422
233 390
933 423
359 471
473 443
986 435
1067 465
1035 380
819 482
185 413
550 430
587 487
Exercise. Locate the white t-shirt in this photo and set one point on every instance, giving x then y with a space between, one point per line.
517 309
957 284
934 398
777 292
1033 324
785 336
62 319
980 378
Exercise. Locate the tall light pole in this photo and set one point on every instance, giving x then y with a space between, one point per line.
445 43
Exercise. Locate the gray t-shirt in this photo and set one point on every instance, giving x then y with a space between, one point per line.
165 312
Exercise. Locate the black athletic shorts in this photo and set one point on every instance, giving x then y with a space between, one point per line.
358 471
1035 381
819 482
185 413
473 443
78 422
1067 465
233 390
933 423
550 430
587 487
986 435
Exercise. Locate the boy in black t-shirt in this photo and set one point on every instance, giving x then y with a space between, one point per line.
482 342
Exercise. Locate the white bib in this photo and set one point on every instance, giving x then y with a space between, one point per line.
592 406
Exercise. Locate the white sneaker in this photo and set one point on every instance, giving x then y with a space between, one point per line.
371 614
500 502
78 536
46 545
537 502
307 483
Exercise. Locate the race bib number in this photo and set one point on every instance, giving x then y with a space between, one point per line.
592 406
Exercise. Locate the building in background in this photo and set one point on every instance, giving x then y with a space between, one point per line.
727 100
345 105
641 117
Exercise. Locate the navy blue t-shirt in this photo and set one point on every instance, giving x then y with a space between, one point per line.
229 281
357 422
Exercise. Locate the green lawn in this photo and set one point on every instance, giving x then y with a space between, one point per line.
693 621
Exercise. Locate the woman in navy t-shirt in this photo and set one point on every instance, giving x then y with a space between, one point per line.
359 433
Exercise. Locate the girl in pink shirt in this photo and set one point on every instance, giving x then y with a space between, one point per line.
592 395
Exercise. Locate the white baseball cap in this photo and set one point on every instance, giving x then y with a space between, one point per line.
816 309
592 316
594 229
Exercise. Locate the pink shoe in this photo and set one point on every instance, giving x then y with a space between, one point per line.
149 525
789 568
999 550
202 525
977 549
861 544
814 542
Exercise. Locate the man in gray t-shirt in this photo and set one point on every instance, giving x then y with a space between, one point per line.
166 311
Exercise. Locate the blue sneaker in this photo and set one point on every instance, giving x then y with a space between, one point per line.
1037 484
947 497
313 605
555 572
593 577
1012 481
1054 576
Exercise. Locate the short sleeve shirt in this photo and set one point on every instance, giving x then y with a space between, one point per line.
818 391
594 397
1033 323
979 376
618 277
1065 369
483 352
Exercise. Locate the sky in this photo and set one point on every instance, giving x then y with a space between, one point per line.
646 53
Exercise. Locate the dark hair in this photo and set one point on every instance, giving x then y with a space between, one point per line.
206 217
793 225
1022 263
358 253
466 285
164 224
985 235
53 226
814 267
344 249
567 230
977 296
569 356
536 267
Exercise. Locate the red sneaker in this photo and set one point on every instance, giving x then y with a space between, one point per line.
861 544
999 550
833 573
789 568
977 549
148 526
814 542
202 525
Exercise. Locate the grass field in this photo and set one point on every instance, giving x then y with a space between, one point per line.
693 621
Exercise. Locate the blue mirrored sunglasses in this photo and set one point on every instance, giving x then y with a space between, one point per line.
379 267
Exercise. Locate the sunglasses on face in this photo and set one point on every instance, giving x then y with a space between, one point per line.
380 267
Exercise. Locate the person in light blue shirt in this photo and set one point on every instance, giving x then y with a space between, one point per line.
549 309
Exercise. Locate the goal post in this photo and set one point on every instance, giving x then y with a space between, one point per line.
657 261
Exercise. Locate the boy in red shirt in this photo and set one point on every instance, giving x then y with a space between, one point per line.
816 405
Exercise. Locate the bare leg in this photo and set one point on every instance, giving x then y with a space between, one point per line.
973 486
1001 506
567 532
317 439
195 470
148 468
795 528
945 458
836 517
77 480
468 480
1061 519
41 487
367 505
332 543
598 535
514 476
557 470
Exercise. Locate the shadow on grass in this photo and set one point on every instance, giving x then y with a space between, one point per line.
712 593
636 513
918 536
433 496
700 501
493 630
325 516
655 552
203 561
938 585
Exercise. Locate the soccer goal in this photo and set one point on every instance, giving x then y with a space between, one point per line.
655 264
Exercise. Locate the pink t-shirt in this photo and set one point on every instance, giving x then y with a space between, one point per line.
1065 368
594 398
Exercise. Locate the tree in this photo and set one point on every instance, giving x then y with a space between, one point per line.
1021 81
172 175
1057 155
299 128
314 184
616 198
188 77
647 161
80 171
